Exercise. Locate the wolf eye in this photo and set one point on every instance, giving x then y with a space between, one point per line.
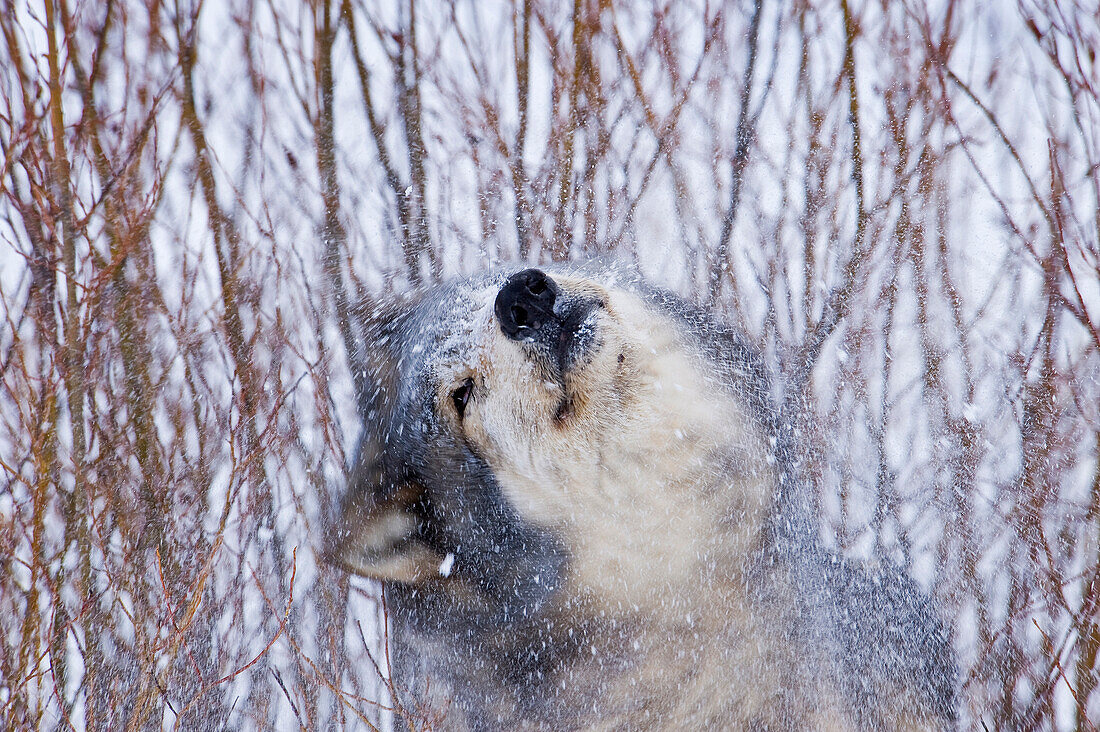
461 396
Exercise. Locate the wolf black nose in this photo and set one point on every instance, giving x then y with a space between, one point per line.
526 303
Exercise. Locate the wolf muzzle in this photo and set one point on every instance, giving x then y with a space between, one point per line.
533 309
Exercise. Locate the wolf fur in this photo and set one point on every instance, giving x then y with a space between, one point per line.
592 519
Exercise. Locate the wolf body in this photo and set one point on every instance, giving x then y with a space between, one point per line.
587 515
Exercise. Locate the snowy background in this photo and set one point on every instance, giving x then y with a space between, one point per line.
898 201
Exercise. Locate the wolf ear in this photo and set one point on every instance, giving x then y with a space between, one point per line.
379 538
377 529
375 356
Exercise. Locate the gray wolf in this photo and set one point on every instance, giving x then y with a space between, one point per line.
587 515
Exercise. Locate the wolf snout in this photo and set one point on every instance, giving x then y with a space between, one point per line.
554 325
525 305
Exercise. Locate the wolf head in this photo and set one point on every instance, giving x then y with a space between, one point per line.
554 436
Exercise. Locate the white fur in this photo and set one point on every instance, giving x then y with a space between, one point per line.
628 477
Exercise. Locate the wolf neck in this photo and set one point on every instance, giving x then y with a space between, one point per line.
639 671
679 493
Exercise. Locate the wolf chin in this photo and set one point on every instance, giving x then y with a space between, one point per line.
586 514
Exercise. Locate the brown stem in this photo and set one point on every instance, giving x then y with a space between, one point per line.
75 509
744 135
333 236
